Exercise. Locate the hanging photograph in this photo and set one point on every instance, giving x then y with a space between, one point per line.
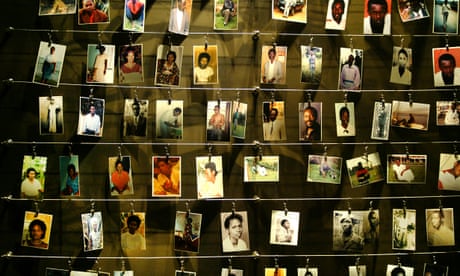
187 232
345 119
218 115
406 168
37 230
371 225
404 229
85 273
184 273
357 270
49 63
412 10
336 17
100 63
205 70
445 16
134 15
399 270
447 113
310 119
123 273
56 272
307 271
51 115
365 169
57 7
311 64
273 125
93 11
166 176
209 177
231 272
284 229
239 117
225 14
381 121
290 10
435 269
273 64
401 67
377 17
410 115
324 169
132 234
261 168
169 119
440 227
275 271
168 65
93 238
234 231
33 177
350 68
130 63
446 68
135 117
120 175
347 231
69 175
91 119
449 172
179 17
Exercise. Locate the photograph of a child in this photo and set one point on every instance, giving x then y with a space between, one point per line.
406 168
284 229
209 177
132 234
440 227
226 14
135 117
310 121
187 232
404 229
120 175
364 170
166 176
234 231
57 7
447 113
37 230
130 63
49 63
324 169
168 65
134 15
33 177
205 70
399 270
93 234
91 118
69 175
261 169
348 232
51 115
410 115
239 117
100 63
381 121
449 172
169 119
311 64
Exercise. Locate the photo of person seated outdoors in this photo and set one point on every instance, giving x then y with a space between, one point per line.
406 168
226 14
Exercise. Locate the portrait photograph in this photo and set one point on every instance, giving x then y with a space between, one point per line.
406 168
234 231
273 64
184 273
169 119
91 118
324 169
218 116
84 273
100 64
166 175
93 234
231 272
209 177
37 230
187 232
290 10
381 121
168 65
135 117
371 225
239 118
56 272
357 270
273 126
377 17
310 121
179 17
51 115
310 271
311 64
410 10
123 273
399 270
410 115
336 17
440 227
345 119
130 63
447 113
347 234
225 14
49 63
446 68
205 64
57 7
445 16
69 175
284 229
350 69
449 172
275 271
435 270
132 231
261 169
401 66
93 11
33 177
403 233
134 15
365 169
120 175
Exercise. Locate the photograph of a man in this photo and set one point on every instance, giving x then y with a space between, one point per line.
410 115
179 19
225 14
187 230
209 177
134 15
93 238
135 117
447 113
91 119
37 230
446 70
357 270
290 10
435 270
218 121
100 63
311 64
347 231
33 177
365 169
345 119
239 117
169 119
273 126
205 70
231 272
449 172
307 271
324 169
406 168
381 121
399 270
284 229
445 16
51 115
410 10
310 121
166 176
404 229
350 69
93 12
273 64
49 63
377 17
336 17
440 227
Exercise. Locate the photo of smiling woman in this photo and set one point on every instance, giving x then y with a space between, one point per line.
235 235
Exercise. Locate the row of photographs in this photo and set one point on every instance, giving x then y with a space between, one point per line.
167 181
101 65
376 14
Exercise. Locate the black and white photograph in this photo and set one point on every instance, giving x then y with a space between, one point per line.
413 10
179 16
347 230
447 113
350 69
84 273
406 168
51 112
33 177
365 169
234 231
169 119
49 63
410 115
100 64
336 17
91 118
446 68
273 126
93 12
57 7
205 64
37 230
218 120
399 270
310 121
311 64
239 118
381 121
440 227
56 272
130 63
231 272
449 172
120 175
123 273
273 64
357 270
135 118
226 14
445 16
324 169
377 17
310 271
93 234
187 231
132 232
168 65
404 229
345 119
209 177
290 10
284 229
183 272
134 15
401 67
69 170
261 168
371 225
435 270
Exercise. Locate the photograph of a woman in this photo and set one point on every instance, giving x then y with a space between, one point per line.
37 230
168 66
235 235
401 70
121 182
130 64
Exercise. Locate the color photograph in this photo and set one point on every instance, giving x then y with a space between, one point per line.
231 272
399 270
57 7
37 230
205 70
93 234
273 64
51 115
449 172
273 126
100 64
336 17
435 270
404 229
239 118
350 69
169 119
132 233
93 12
261 168
310 121
440 227
324 169
130 63
445 16
364 170
347 232
120 175
377 17
134 15
91 119
406 168
446 68
218 116
275 271
234 231
290 10
410 115
311 64
179 17
168 65
135 117
49 63
410 10
209 177
83 273
357 270
225 14
345 119
123 273
381 121
33 177
284 229
166 176
447 113
187 232
69 175
401 67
